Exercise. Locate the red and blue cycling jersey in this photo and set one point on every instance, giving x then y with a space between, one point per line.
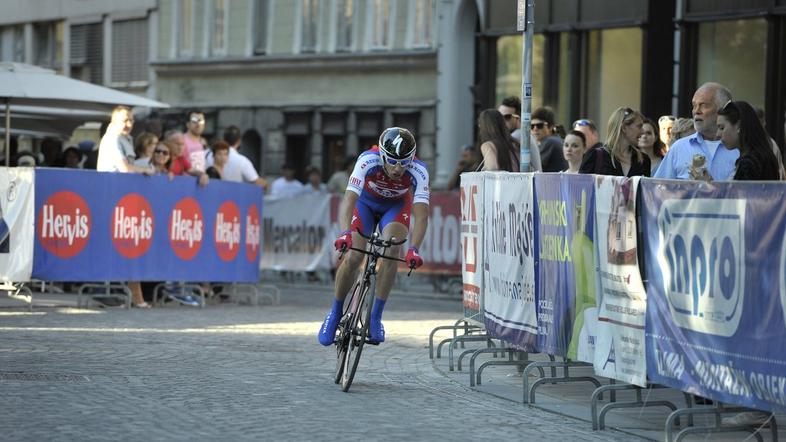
384 199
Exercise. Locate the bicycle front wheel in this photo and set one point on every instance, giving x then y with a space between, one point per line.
345 327
359 333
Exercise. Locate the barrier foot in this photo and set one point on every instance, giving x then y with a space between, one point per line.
108 287
18 292
467 327
521 364
529 391
716 410
450 340
463 339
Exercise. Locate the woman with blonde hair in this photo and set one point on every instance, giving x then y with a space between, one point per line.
620 155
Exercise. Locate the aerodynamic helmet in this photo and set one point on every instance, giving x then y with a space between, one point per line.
397 145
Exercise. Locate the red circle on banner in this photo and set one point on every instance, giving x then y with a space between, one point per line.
252 233
227 231
63 224
132 226
186 228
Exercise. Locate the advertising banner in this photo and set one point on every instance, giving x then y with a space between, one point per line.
509 259
472 211
296 233
715 261
16 223
95 226
621 299
566 264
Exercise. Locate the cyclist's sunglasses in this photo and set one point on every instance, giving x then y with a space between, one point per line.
394 162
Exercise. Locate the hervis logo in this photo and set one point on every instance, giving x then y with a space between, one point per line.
227 234
186 228
252 233
132 226
63 224
702 254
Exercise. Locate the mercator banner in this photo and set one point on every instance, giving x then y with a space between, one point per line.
566 264
509 259
715 260
472 211
621 299
17 233
297 234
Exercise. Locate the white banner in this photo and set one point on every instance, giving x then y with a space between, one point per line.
472 244
17 223
509 256
622 301
296 233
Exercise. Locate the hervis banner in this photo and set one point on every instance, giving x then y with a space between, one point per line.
509 284
621 299
17 233
715 261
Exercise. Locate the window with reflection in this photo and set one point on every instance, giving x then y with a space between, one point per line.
734 53
218 28
379 22
185 23
309 26
509 68
260 26
421 23
345 16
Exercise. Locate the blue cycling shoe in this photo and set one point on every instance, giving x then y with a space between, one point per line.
327 333
376 332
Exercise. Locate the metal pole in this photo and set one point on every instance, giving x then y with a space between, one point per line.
7 132
526 87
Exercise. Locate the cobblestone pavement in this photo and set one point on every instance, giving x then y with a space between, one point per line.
233 372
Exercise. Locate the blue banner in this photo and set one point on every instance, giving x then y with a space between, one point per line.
92 226
565 205
716 295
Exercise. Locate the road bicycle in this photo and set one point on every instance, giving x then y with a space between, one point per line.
353 328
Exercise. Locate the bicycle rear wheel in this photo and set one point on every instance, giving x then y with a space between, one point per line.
359 333
344 332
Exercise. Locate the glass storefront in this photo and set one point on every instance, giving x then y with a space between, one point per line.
734 53
509 68
613 73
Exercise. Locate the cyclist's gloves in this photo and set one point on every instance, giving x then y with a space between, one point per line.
413 258
344 241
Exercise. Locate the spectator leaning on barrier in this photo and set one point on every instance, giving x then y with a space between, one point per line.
180 164
701 155
511 112
161 160
549 145
620 156
739 126
651 145
194 143
340 179
111 152
315 184
286 186
238 167
70 159
143 147
496 145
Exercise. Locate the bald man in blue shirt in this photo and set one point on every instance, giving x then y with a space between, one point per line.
719 161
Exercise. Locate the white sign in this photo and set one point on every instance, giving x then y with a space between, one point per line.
17 223
296 233
472 244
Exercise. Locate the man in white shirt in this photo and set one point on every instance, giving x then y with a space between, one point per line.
238 167
286 186
111 152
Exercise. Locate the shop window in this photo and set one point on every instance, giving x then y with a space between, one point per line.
734 54
614 61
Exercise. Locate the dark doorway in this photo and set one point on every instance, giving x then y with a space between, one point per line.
298 153
251 147
335 152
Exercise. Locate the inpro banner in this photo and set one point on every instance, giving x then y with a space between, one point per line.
472 211
621 299
96 226
16 223
566 264
296 233
509 259
715 259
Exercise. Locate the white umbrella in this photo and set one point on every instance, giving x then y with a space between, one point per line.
44 93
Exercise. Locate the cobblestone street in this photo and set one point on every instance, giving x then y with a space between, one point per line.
242 373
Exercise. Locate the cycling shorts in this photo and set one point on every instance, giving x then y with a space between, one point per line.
369 213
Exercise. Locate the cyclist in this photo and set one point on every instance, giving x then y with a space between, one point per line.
387 186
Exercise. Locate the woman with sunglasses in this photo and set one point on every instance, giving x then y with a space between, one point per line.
496 145
388 187
621 155
651 145
738 125
161 159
